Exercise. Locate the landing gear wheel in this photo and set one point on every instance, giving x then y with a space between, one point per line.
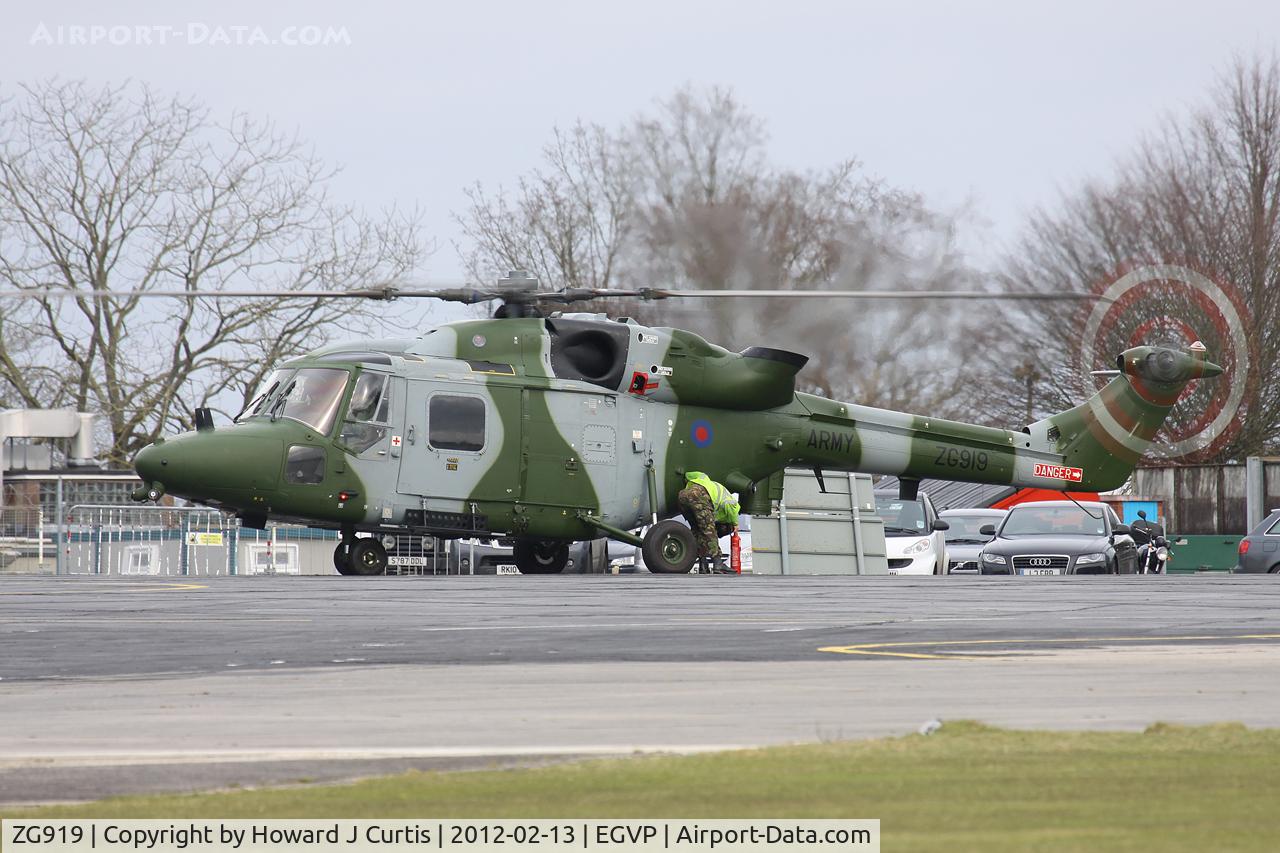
669 548
368 557
541 558
342 558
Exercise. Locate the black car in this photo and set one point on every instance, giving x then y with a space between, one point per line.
1060 538
1260 550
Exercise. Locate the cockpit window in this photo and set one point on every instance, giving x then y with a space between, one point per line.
367 413
257 403
311 397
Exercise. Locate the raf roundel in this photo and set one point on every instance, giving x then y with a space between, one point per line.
701 433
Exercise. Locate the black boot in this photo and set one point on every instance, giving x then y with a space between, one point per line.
720 567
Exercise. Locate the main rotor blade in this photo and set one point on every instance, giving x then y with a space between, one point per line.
468 296
471 296
656 293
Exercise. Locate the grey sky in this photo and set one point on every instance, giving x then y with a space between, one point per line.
995 102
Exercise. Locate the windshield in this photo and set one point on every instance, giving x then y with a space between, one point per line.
1053 521
367 413
968 528
901 518
257 403
312 397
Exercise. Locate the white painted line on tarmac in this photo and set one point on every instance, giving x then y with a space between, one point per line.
894 649
121 759
195 618
601 625
751 623
150 586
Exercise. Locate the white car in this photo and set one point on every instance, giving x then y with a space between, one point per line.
913 535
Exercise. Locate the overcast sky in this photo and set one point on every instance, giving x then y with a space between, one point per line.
1000 103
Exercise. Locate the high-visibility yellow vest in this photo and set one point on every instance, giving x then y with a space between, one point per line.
726 508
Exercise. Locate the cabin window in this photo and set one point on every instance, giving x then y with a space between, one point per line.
367 413
304 466
456 422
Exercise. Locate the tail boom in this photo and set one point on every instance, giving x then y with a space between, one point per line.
1092 447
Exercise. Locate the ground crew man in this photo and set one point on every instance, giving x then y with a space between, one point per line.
711 512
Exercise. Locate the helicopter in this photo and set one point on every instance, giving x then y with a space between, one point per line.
559 427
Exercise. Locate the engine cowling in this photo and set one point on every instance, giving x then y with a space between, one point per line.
755 379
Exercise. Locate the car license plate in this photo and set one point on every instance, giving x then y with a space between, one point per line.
507 570
408 561
1039 571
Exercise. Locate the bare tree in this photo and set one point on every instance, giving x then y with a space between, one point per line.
120 188
685 196
566 222
1204 191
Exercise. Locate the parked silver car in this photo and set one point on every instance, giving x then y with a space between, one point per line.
1260 550
497 557
965 537
407 554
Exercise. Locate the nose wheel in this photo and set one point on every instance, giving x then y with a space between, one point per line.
360 557
540 558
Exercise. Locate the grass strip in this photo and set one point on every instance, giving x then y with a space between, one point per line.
966 787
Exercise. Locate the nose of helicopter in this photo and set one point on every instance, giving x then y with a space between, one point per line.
200 465
147 464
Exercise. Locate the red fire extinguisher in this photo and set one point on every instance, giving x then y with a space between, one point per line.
735 552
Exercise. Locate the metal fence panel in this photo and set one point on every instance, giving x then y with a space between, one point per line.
26 543
1233 511
186 542
1207 500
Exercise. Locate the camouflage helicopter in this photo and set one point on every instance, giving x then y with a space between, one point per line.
565 427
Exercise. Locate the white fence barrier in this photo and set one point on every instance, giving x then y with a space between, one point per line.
186 542
160 541
24 540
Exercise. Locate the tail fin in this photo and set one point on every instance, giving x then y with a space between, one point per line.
1102 439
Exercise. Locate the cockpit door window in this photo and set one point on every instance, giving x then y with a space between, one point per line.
366 424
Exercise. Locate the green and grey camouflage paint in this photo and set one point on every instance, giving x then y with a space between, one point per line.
579 407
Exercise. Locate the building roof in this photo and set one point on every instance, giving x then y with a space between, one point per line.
946 494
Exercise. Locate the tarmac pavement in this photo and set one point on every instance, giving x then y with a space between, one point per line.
116 685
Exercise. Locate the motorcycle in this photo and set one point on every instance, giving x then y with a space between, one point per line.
1154 553
1154 556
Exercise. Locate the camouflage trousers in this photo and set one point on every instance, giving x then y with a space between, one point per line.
695 506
